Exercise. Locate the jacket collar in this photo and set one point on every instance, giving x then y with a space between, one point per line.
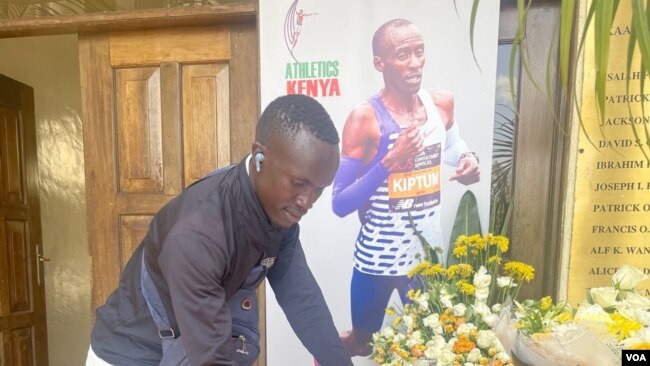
248 216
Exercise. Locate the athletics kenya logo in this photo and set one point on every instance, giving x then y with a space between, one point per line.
293 26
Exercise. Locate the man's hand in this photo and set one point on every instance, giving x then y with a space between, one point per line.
467 171
408 144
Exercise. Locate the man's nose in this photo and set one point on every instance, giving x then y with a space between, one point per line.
415 61
306 200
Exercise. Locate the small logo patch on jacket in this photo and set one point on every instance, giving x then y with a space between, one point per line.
267 262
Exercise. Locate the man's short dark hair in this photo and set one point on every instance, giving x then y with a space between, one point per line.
286 115
379 38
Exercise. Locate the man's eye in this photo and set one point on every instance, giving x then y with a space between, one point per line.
298 183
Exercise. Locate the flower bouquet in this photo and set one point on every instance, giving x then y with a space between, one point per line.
593 333
451 315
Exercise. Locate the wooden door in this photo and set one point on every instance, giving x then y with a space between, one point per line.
161 108
23 332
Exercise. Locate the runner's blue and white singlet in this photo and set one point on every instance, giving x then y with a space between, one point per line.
386 244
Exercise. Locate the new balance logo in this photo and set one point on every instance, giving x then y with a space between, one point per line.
404 204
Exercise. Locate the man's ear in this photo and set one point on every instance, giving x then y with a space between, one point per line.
379 63
257 147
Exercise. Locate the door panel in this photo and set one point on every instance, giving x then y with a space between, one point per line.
158 115
206 119
23 331
139 130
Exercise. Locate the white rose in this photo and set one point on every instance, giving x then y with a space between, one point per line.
423 301
502 356
465 328
376 336
474 355
414 339
505 281
490 319
388 333
485 339
496 308
482 279
438 341
431 321
432 353
445 298
459 309
604 296
593 316
628 277
482 293
434 347
637 301
399 337
446 358
408 321
481 308
627 311
643 316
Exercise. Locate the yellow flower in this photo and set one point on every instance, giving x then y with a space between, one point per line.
494 259
545 303
433 270
460 251
462 270
461 240
563 317
467 288
419 268
622 327
380 351
449 328
390 311
396 321
412 295
642 345
404 354
483 361
379 359
501 242
473 334
519 271
477 241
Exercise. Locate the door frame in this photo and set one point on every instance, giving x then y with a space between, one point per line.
130 20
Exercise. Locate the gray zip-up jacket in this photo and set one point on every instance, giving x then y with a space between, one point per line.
200 248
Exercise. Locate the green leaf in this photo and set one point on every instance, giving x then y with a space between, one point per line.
472 21
567 11
603 17
467 222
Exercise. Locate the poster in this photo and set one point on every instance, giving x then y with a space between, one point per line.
324 49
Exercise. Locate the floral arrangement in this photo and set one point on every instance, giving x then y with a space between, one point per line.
610 319
451 316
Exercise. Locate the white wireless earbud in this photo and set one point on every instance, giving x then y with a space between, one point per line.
259 157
